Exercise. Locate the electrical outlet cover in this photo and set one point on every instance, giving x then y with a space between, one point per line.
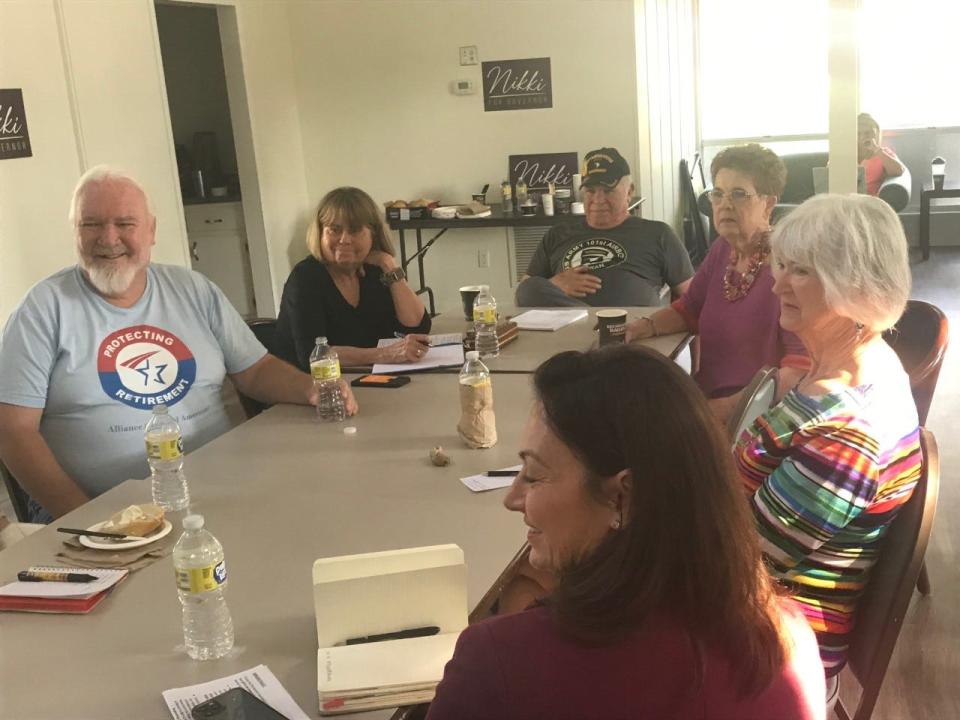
468 55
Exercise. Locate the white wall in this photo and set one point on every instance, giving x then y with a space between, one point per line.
376 111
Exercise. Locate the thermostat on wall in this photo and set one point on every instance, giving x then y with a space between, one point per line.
462 87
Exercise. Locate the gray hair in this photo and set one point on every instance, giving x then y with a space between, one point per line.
856 246
101 173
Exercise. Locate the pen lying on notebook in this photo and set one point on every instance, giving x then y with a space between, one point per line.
40 576
401 336
501 473
398 635
91 533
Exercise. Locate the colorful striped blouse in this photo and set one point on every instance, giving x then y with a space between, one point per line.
826 475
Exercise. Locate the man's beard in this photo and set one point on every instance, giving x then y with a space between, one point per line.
109 279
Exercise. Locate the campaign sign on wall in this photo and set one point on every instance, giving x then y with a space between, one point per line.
538 170
14 137
517 84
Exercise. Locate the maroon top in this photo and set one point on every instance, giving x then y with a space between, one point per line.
519 667
736 338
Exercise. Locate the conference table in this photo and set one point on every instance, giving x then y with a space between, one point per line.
279 491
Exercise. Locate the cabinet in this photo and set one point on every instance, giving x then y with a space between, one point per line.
218 249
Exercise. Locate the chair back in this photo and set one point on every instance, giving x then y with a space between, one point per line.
887 596
920 340
18 496
756 399
265 330
695 229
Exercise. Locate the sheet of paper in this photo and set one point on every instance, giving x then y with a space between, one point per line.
482 483
446 338
259 681
106 578
436 357
548 319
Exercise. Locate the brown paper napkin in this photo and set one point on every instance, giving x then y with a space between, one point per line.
132 559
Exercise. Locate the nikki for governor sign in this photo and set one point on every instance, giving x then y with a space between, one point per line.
14 138
517 84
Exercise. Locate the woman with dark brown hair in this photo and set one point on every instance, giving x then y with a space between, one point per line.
663 608
729 303
350 290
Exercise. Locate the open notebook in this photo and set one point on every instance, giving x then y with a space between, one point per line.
356 596
445 351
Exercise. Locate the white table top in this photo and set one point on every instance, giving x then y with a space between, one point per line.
279 491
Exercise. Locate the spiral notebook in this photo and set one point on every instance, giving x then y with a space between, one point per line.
60 597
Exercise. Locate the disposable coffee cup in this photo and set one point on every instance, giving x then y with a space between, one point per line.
547 200
576 208
468 293
612 325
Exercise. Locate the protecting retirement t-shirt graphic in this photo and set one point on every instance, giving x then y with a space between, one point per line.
596 253
143 366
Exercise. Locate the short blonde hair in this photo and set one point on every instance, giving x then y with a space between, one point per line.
354 209
856 246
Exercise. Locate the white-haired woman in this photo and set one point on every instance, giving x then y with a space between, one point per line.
829 467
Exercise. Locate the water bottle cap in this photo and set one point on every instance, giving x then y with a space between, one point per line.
193 522
160 409
321 340
472 355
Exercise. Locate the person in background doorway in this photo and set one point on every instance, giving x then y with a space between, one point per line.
350 290
879 162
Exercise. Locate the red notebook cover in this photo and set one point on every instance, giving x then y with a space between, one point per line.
53 605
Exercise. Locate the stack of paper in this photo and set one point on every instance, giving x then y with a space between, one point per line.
358 596
258 680
548 319
445 351
60 597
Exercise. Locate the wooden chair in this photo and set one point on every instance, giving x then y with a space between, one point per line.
890 588
920 340
266 331
756 399
18 496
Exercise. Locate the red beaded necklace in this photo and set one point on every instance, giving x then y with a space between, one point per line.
733 291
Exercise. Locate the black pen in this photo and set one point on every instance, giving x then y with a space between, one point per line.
42 576
398 635
433 345
502 473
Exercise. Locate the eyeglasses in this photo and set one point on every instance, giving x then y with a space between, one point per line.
737 197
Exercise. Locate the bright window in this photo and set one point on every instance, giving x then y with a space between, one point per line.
763 68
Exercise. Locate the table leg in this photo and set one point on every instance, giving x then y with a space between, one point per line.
924 226
403 250
423 283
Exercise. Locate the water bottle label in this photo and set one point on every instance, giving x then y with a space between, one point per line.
325 369
484 314
166 449
201 579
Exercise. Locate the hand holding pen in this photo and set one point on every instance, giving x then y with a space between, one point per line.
410 348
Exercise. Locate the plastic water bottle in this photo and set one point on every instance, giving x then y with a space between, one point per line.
201 582
165 455
325 368
485 323
477 426
506 197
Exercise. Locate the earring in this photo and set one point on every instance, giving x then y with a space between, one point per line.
859 330
617 521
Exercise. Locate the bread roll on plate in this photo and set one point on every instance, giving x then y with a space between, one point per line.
137 520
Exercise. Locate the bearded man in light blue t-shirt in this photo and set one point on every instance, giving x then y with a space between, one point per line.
92 349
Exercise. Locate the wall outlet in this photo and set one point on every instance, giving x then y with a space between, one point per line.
483 258
468 55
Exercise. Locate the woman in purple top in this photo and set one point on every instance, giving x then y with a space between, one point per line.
730 303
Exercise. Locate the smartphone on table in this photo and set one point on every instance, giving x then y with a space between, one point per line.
235 704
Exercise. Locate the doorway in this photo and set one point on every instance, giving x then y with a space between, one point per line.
206 100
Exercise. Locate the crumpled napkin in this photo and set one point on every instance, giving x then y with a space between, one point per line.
131 559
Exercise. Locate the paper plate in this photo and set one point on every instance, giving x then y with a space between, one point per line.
134 542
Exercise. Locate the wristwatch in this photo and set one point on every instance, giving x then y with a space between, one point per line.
389 278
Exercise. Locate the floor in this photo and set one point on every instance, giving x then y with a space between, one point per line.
921 680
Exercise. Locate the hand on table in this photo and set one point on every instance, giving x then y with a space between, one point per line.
349 400
639 330
577 282
410 349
